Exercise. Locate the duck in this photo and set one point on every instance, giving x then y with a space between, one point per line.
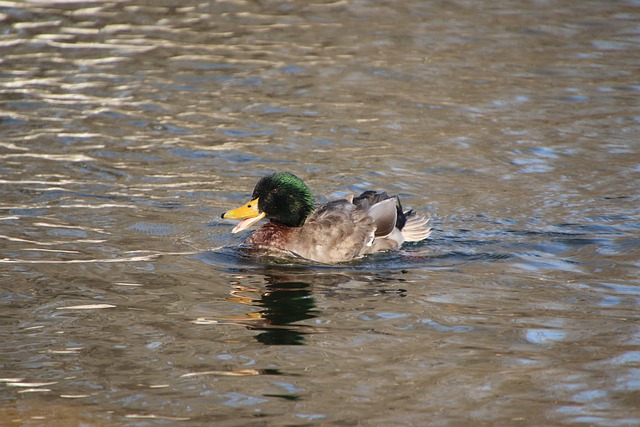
335 232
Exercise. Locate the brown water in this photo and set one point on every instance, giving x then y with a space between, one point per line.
127 127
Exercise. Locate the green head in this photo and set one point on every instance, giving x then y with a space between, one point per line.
284 198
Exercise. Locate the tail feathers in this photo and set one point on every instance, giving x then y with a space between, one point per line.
416 228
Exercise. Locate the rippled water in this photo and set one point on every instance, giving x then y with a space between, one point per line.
127 127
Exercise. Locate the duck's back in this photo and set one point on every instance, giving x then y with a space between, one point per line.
338 231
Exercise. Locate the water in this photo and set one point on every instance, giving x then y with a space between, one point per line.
127 127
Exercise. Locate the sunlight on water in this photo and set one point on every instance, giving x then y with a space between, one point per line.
128 127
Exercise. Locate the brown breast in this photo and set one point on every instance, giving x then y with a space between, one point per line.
272 235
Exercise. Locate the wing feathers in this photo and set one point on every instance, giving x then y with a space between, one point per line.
384 215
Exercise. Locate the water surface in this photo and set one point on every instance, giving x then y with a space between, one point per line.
127 127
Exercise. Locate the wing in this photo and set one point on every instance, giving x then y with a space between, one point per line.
338 231
384 215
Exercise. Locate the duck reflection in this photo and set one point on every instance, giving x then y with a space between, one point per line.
281 309
283 302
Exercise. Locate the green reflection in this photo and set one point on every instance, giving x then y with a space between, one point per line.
285 303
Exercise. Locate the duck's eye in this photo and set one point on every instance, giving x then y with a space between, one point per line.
274 191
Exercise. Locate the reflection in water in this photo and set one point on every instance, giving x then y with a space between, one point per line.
284 303
287 298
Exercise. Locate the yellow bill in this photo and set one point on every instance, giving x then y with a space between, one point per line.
249 214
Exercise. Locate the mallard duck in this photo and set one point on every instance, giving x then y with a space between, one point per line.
335 232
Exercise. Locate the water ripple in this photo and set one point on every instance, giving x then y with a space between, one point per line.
128 126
